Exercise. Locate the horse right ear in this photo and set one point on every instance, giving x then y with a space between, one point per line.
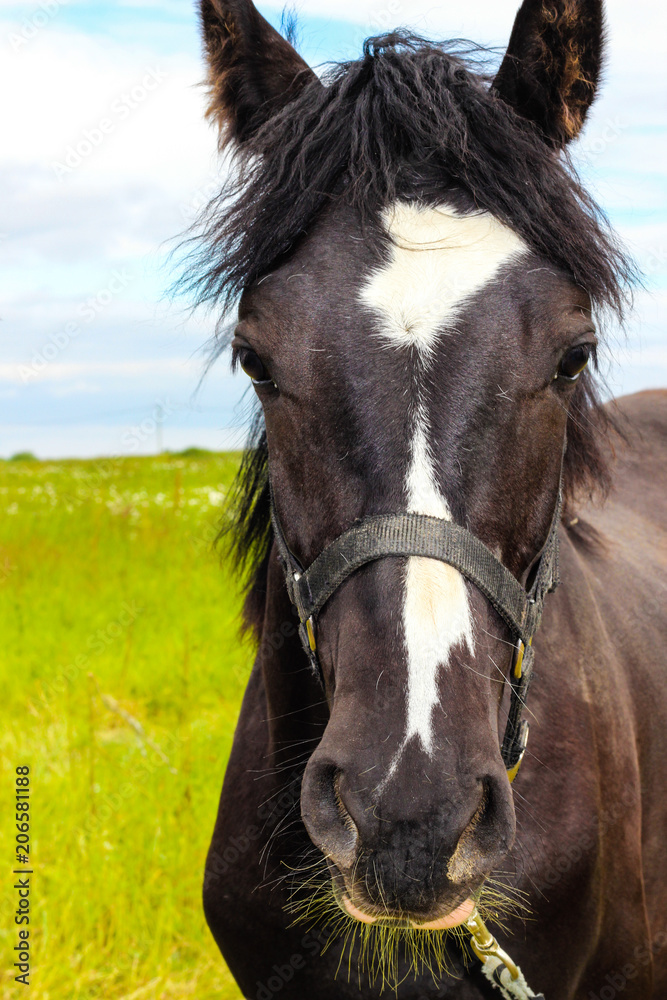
551 69
253 72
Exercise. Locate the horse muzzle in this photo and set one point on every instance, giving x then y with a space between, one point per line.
416 852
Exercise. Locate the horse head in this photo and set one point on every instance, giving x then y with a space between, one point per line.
419 274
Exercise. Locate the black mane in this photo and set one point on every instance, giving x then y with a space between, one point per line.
409 120
416 121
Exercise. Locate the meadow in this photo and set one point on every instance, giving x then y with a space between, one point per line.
122 674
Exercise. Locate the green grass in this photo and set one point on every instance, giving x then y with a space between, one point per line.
114 610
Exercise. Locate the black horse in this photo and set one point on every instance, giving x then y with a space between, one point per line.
421 278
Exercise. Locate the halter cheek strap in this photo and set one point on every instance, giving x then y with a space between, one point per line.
420 535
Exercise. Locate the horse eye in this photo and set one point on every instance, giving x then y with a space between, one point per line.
253 366
574 362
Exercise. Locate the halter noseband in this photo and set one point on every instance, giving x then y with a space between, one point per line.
431 537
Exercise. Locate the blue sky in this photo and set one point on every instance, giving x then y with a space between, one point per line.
92 352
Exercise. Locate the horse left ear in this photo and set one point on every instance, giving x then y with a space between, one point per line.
253 72
552 65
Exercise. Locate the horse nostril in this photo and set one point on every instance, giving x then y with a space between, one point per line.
345 817
326 818
480 838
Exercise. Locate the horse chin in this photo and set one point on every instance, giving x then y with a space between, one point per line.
367 914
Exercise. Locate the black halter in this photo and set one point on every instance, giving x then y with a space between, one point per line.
420 535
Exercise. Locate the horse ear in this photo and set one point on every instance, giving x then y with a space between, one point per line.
552 65
253 72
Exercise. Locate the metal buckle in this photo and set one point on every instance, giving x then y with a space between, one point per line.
517 667
307 636
485 945
310 632
523 737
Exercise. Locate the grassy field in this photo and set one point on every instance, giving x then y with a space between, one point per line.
122 674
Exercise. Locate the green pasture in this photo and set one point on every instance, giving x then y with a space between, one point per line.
122 674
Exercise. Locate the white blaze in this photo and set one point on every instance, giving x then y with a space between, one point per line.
439 260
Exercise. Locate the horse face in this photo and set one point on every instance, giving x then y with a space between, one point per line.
422 362
420 370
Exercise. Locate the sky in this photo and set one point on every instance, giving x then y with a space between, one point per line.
105 160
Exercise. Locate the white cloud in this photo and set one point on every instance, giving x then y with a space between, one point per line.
64 84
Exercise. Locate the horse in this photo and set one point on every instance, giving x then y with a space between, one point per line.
420 284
